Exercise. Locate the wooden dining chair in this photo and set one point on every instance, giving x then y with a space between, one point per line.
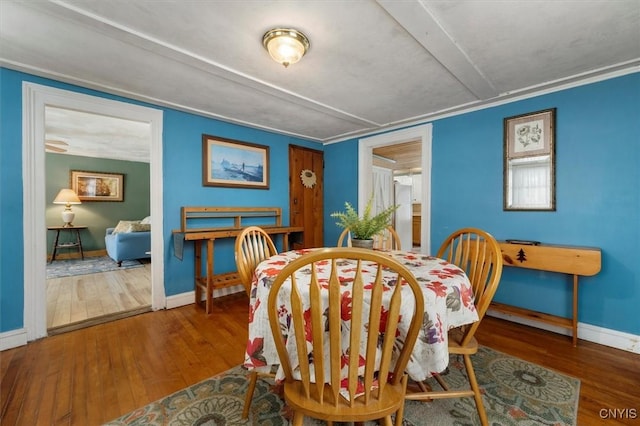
344 239
342 358
478 254
253 245
386 240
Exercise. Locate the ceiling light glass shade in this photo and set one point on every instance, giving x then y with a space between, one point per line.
285 45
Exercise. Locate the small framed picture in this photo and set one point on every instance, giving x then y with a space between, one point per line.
529 134
98 186
231 163
529 165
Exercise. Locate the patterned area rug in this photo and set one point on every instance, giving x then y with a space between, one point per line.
516 392
90 265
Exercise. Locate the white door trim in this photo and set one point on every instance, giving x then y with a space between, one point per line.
34 99
365 165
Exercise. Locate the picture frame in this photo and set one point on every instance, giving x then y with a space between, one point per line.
529 164
97 186
233 163
530 134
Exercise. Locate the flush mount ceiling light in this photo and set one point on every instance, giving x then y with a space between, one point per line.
285 45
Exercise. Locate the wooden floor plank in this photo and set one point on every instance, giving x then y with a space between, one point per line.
13 382
33 392
81 297
107 370
133 377
111 368
49 387
62 404
80 376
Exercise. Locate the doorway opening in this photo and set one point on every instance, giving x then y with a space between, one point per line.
36 98
418 134
397 180
98 159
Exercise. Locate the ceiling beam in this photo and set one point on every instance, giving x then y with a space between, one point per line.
415 17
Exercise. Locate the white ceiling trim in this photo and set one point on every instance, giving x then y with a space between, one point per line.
550 87
88 84
618 70
403 62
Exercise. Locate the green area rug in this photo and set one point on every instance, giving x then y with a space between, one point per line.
90 265
516 392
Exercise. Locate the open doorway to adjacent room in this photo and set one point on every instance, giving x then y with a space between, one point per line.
84 284
38 200
397 180
394 148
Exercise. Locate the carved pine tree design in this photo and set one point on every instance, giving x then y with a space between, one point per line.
522 257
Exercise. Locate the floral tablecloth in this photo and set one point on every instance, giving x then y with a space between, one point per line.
448 300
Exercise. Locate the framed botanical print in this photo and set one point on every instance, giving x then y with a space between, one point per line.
529 134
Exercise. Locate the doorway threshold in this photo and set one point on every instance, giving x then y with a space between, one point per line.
97 320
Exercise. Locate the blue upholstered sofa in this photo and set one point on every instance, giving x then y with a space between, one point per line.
128 242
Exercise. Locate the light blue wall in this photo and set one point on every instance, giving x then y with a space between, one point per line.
11 238
340 184
598 195
182 180
183 186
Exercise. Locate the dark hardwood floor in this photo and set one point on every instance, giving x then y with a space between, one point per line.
93 375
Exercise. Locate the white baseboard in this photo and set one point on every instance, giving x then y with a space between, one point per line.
13 339
188 298
181 299
603 336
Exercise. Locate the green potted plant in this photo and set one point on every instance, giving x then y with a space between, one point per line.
363 228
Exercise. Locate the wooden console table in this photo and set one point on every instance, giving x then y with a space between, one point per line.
576 261
207 224
77 244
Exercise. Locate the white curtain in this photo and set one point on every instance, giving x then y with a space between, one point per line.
529 182
382 189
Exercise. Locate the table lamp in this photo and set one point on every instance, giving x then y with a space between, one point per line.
67 197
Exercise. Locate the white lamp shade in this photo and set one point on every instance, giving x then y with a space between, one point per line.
67 196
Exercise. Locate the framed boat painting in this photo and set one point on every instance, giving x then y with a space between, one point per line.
231 163
97 186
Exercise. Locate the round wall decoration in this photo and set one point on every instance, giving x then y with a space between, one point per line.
308 178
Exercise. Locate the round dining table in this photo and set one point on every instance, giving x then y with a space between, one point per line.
448 303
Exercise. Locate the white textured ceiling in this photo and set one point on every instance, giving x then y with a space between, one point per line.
91 135
372 64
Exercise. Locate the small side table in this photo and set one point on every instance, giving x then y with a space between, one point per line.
69 244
